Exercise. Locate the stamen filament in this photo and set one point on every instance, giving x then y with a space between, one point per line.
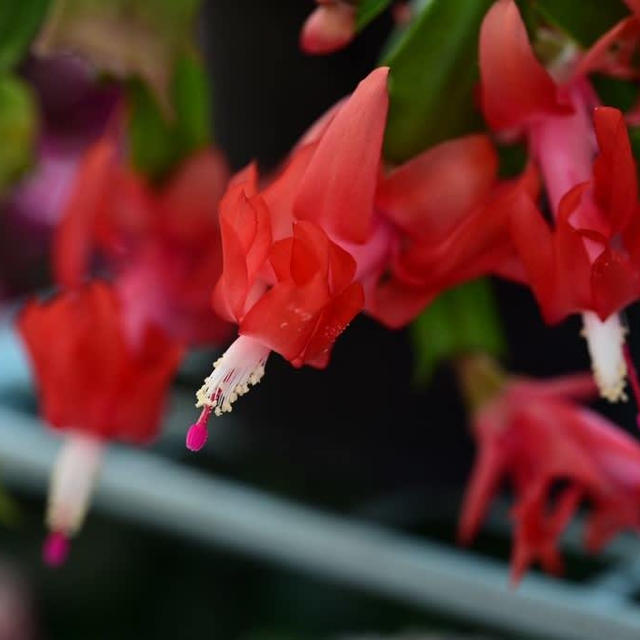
605 341
72 482
240 368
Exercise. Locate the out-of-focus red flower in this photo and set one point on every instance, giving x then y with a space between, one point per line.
331 27
163 246
588 260
555 454
89 377
95 385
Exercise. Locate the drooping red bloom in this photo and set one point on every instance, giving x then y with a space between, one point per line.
295 253
162 245
299 254
555 454
587 261
95 386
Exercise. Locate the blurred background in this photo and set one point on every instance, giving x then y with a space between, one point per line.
325 506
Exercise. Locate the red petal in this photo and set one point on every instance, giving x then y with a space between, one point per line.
430 193
335 318
247 178
615 283
285 317
309 253
395 303
485 478
74 238
281 193
534 242
614 52
515 86
337 190
246 241
614 170
477 246
190 200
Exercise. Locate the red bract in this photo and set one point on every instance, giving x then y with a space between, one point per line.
555 454
587 262
163 246
94 385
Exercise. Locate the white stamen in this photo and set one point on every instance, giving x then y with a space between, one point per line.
605 341
240 367
72 482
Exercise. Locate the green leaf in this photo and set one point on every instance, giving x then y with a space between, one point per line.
19 23
369 10
460 321
18 128
584 21
192 103
157 141
434 71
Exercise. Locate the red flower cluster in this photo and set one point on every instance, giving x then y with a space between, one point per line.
533 434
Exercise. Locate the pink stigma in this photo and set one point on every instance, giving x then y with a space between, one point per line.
197 436
634 383
55 549
198 432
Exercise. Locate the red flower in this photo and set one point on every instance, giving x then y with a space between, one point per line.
298 254
163 246
295 254
534 435
93 385
588 261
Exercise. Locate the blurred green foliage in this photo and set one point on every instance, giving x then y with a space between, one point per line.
158 140
19 23
18 128
369 10
460 321
584 21
434 71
